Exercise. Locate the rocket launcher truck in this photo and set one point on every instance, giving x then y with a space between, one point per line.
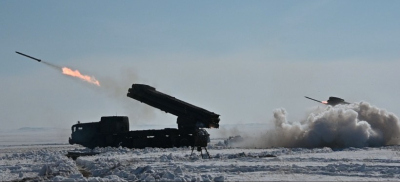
114 130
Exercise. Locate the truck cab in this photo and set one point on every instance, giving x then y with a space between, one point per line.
94 133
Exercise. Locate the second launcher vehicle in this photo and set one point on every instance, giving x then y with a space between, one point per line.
333 101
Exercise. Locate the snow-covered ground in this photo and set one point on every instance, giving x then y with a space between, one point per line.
39 154
48 162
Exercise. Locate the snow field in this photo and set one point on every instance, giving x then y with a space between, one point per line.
247 164
176 164
42 162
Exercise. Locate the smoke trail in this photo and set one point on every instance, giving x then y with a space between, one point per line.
52 65
117 88
353 125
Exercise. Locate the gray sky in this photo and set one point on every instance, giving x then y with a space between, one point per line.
239 59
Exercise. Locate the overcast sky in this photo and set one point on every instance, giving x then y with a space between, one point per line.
239 59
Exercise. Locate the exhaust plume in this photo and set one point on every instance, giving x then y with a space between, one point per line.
353 125
76 73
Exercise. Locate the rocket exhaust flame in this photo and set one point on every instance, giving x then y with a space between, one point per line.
65 70
76 73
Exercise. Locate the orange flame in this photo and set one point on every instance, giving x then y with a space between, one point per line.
76 73
324 102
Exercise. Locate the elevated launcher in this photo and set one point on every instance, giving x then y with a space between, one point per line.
333 101
190 117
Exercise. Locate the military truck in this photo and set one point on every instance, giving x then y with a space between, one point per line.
114 130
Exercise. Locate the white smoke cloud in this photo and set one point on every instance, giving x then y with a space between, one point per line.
354 125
